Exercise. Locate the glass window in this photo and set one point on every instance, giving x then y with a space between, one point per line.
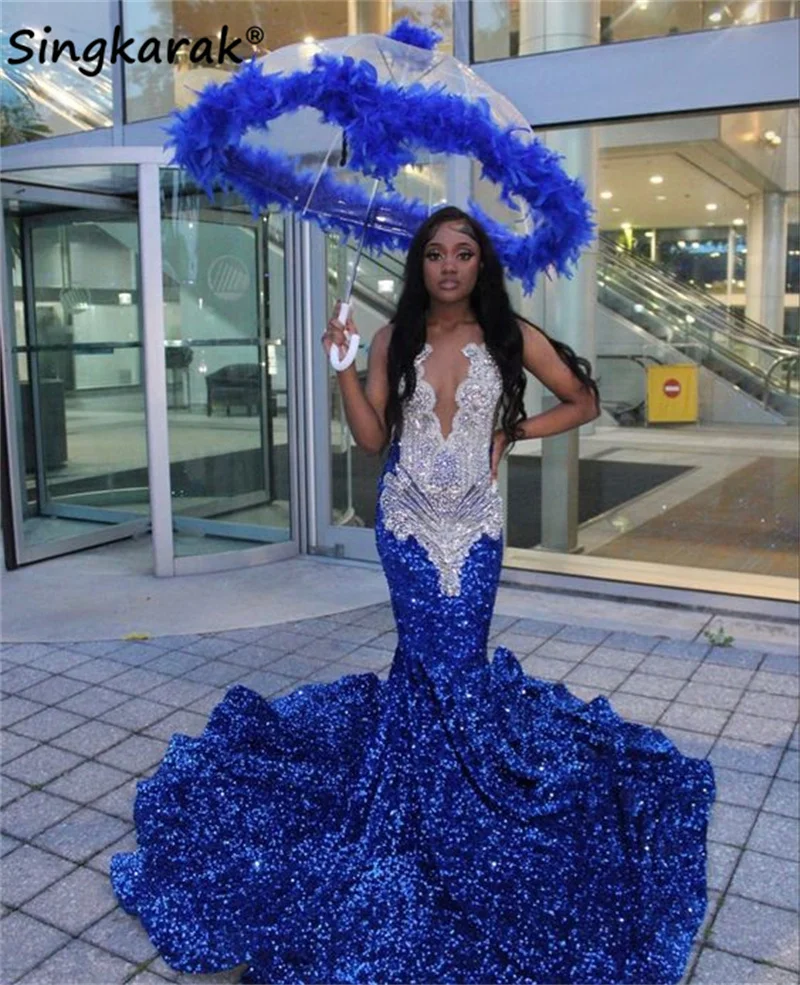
210 29
227 372
354 473
695 273
56 75
78 390
507 28
687 282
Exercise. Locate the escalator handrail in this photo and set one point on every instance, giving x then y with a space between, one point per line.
697 337
640 359
674 296
765 344
696 328
787 386
712 308
634 357
641 265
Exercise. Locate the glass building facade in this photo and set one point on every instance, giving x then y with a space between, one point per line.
162 375
508 28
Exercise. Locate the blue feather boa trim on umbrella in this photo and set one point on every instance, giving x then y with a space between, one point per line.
385 126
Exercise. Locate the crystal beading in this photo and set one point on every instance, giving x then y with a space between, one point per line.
441 491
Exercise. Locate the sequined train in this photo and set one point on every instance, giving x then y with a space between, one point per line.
458 822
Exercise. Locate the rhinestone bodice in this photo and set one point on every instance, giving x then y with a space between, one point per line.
441 490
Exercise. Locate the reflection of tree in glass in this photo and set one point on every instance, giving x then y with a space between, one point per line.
180 230
435 15
150 88
154 90
19 120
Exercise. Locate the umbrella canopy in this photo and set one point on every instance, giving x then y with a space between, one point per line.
347 133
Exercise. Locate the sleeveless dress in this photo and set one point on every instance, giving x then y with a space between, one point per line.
458 822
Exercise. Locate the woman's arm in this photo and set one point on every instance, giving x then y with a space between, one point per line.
364 411
578 403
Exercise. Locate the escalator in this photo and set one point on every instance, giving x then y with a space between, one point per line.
683 321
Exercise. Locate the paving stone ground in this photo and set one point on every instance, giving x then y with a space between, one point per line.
82 721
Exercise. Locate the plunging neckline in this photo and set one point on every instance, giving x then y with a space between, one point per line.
468 350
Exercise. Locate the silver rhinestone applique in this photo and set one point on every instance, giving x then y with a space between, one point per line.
441 491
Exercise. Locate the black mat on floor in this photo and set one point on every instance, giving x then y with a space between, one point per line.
603 485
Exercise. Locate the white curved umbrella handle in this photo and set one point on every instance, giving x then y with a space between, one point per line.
353 342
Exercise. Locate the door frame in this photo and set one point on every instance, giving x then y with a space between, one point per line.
124 522
325 537
149 161
121 524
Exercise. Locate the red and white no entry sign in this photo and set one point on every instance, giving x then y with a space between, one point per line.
672 394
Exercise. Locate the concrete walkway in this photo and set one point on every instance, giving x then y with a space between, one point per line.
110 592
86 713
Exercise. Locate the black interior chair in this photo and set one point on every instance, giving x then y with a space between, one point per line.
238 384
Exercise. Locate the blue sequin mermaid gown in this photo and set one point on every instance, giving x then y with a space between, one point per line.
458 822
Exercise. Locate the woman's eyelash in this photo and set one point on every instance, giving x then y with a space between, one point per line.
435 255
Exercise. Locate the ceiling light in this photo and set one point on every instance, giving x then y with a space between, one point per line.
656 179
309 39
385 286
738 222
716 17
711 207
606 194
682 244
661 198
616 209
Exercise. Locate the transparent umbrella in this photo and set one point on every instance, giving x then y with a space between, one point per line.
356 133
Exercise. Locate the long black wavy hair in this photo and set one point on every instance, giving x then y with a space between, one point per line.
492 308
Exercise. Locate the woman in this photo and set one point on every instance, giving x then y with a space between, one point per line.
459 822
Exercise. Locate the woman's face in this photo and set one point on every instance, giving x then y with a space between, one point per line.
451 262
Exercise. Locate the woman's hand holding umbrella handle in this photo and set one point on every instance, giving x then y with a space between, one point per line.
342 339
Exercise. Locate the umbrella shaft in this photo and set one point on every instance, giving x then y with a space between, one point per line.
351 280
